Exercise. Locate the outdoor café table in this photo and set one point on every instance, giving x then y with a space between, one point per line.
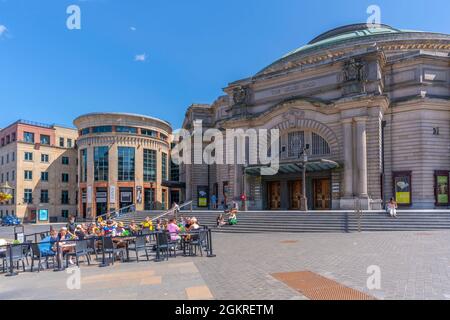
126 241
60 252
185 240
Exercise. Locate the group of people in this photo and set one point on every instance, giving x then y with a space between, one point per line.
58 242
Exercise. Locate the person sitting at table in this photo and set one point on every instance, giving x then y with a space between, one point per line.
109 228
220 221
147 224
80 232
133 227
46 245
158 226
232 220
187 223
173 230
121 231
71 225
194 224
64 247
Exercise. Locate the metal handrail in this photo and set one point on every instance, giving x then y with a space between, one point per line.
113 212
173 210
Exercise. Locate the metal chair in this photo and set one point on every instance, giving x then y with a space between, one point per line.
91 249
198 240
111 249
140 245
15 253
162 245
81 250
36 254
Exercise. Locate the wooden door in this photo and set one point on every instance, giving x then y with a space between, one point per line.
296 194
322 194
274 193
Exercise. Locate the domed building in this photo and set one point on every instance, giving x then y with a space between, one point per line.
123 159
368 106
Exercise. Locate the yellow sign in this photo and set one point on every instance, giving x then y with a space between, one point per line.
403 197
202 202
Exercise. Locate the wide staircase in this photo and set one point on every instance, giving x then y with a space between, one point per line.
323 221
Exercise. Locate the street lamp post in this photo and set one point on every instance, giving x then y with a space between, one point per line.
304 155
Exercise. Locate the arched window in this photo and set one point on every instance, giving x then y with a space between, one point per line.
296 142
319 145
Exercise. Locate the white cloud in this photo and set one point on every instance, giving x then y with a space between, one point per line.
133 28
140 57
3 29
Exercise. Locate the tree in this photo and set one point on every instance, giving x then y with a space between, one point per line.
5 197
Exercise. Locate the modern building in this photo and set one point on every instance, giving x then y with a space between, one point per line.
40 162
371 103
124 159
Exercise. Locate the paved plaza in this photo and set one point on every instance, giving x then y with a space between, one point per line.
413 265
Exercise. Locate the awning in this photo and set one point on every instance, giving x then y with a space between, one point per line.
293 167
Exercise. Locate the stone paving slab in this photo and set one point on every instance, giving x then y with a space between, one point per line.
412 265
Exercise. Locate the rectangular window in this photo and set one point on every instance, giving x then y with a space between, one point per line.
69 143
84 131
102 129
28 196
149 165
7 158
28 137
65 160
13 175
101 163
124 129
44 196
44 158
125 163
442 187
402 187
45 139
61 142
44 176
65 213
28 156
164 166
64 197
65 177
28 175
13 156
174 172
83 165
147 132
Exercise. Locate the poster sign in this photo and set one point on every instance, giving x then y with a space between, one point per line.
112 194
43 215
202 195
139 194
89 194
403 189
101 197
126 196
442 189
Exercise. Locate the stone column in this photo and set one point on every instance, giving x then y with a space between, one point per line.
361 156
347 125
113 189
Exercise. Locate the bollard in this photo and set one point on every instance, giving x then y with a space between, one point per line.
210 246
104 263
11 264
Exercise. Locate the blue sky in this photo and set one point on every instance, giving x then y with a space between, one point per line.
192 49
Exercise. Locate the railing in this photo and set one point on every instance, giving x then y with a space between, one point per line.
189 203
116 213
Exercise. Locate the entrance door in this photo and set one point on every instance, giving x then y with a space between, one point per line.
149 199
322 194
274 193
126 197
296 194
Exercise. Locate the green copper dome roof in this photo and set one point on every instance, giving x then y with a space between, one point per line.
345 33
353 33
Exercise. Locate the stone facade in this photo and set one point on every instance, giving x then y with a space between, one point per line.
34 167
106 134
373 101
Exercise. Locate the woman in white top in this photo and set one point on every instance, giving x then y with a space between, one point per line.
392 208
